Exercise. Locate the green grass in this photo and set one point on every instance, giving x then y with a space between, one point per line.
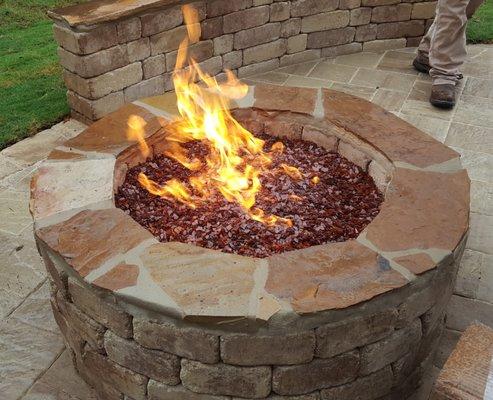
480 27
32 94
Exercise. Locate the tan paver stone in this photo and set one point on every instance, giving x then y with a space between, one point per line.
323 281
477 70
185 273
36 310
416 263
475 111
307 82
119 277
435 127
109 135
398 61
462 312
481 235
391 100
478 165
333 72
355 90
438 218
383 79
90 238
60 186
425 109
396 138
482 197
7 167
478 87
271 97
14 211
61 381
31 150
475 276
366 59
469 137
21 271
298 69
276 78
26 352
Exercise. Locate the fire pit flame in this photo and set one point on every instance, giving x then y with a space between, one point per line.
236 158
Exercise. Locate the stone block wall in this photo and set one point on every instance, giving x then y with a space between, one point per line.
120 60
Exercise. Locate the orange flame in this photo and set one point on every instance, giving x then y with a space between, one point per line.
236 158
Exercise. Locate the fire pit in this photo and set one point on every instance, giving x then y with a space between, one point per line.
270 242
169 320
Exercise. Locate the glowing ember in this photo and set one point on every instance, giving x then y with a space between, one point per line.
235 158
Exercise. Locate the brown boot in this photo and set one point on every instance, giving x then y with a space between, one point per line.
443 96
421 64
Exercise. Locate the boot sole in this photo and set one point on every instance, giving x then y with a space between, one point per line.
421 67
442 104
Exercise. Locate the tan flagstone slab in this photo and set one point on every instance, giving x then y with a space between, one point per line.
398 61
469 137
333 72
416 263
422 210
384 79
7 167
203 282
271 97
332 276
119 277
14 211
90 238
397 139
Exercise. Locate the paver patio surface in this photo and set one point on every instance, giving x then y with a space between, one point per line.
33 362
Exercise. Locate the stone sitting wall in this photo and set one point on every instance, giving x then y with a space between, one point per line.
117 56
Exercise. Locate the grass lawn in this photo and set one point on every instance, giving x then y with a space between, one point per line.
32 94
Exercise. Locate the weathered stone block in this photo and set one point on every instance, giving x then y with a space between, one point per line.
354 155
223 44
251 350
290 27
101 310
222 7
228 380
72 339
302 8
318 374
129 30
96 63
158 365
149 87
400 29
360 16
190 343
95 109
324 139
346 335
264 52
280 11
317 40
246 19
123 379
167 41
160 391
373 386
379 175
297 43
258 68
102 85
325 21
374 3
335 51
89 42
424 10
200 51
212 28
159 21
366 33
416 305
154 66
233 60
256 36
302 56
377 355
394 13
349 4
387 44
138 49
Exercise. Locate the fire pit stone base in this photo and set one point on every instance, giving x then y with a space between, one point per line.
151 320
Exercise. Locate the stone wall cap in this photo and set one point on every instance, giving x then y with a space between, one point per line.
101 11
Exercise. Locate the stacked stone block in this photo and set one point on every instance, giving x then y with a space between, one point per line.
109 64
379 350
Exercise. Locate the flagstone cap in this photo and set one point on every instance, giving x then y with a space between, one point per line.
422 224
